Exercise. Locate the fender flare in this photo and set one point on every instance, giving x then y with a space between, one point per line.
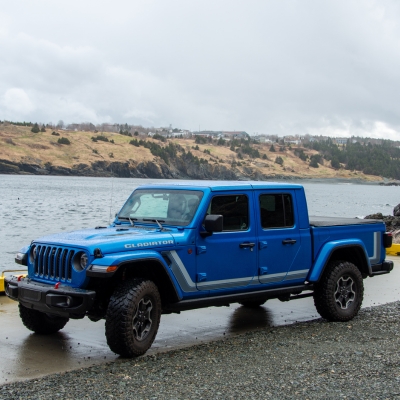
326 252
98 268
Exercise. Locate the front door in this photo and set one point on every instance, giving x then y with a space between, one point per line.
228 259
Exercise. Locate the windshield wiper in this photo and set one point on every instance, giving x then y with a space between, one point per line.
155 220
128 219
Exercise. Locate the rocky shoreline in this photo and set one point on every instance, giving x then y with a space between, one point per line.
392 222
359 359
158 169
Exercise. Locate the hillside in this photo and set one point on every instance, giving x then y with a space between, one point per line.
22 151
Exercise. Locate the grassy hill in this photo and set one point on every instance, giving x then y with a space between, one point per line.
19 145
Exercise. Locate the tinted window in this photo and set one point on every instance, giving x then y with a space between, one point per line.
234 209
276 211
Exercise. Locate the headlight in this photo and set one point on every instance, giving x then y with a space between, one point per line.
80 261
83 261
32 254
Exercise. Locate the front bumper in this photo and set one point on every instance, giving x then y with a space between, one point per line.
63 301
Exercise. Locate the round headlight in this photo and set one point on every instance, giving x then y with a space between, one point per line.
33 254
83 261
80 261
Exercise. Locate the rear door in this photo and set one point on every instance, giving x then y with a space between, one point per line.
279 237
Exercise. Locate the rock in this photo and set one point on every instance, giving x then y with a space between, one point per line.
374 216
396 211
8 168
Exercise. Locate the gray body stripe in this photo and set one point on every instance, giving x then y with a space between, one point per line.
181 275
376 257
226 283
299 274
187 285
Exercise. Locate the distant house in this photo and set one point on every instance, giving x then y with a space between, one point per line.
292 140
341 140
235 135
261 139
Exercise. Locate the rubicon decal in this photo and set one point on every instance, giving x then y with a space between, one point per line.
147 244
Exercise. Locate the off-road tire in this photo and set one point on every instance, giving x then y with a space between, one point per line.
252 303
339 294
40 322
134 302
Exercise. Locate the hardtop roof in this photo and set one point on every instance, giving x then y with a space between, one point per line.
223 185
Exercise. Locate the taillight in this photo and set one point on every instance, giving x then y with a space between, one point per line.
387 239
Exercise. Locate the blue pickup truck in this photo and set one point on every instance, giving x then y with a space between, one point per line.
176 247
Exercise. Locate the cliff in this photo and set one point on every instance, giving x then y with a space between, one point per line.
112 154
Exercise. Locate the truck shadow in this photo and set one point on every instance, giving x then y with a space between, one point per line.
246 319
44 354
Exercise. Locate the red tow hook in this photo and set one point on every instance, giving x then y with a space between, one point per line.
57 285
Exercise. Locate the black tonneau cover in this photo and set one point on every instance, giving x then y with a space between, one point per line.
338 221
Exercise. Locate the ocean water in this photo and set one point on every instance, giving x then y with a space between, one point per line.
33 206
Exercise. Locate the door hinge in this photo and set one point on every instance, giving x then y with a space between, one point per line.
201 277
201 249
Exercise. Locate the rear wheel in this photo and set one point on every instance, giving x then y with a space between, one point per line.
252 303
339 294
39 322
133 317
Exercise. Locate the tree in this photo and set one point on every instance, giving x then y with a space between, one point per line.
60 124
272 148
43 129
35 128
279 160
63 140
335 163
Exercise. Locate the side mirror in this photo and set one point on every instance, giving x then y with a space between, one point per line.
212 223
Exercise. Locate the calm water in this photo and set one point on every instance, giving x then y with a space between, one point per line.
33 206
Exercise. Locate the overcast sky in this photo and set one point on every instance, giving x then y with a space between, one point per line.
275 67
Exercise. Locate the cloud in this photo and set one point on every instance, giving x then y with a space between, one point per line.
17 102
285 67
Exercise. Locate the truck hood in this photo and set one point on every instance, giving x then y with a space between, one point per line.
110 240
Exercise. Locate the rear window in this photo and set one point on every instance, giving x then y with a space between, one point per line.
276 211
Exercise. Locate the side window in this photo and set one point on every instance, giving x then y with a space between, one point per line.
234 209
276 211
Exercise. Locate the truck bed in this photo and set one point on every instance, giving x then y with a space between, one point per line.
338 221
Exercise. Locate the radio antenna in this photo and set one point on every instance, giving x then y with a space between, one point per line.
111 197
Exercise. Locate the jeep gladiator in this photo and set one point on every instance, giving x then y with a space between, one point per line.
176 247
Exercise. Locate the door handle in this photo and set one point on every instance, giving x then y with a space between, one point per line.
289 241
246 245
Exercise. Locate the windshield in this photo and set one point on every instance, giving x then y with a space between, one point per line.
174 207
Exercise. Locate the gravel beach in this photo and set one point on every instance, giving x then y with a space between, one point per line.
312 360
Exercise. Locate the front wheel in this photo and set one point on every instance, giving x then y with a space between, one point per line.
133 317
40 322
339 294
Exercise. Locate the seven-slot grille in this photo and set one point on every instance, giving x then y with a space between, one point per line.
53 262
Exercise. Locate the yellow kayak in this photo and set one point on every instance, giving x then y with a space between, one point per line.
2 287
394 250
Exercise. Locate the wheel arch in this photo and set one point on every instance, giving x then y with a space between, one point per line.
154 270
352 252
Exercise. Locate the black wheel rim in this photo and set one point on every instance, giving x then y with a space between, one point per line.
345 292
142 321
